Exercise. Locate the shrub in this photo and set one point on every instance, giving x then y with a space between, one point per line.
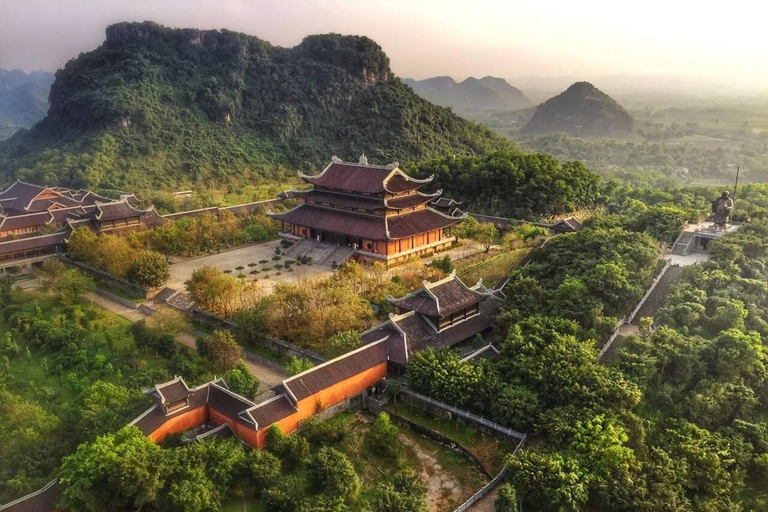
331 472
150 269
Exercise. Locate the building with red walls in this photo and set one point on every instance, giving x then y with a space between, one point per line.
376 209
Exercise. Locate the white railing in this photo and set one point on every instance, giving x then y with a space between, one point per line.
467 415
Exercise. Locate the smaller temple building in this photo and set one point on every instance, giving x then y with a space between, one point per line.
378 210
439 315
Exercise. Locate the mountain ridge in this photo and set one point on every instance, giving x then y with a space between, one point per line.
155 107
471 94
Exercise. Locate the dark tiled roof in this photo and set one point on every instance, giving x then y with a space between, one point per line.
23 193
226 402
408 201
272 410
152 219
349 201
351 177
173 391
116 211
394 340
402 182
339 221
43 500
155 417
39 205
336 370
421 333
486 352
36 242
62 214
569 224
25 221
421 221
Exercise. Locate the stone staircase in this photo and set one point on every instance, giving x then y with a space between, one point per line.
656 299
340 255
320 252
299 249
682 244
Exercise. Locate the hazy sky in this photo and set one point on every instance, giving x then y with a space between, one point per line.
702 40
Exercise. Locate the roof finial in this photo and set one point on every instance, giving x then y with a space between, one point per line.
363 160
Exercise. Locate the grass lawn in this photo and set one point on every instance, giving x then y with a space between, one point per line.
491 267
450 477
488 449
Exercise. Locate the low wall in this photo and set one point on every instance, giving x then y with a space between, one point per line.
269 342
115 298
124 285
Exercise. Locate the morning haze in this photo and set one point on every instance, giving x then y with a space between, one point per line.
706 46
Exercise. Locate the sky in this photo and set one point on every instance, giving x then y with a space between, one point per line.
696 42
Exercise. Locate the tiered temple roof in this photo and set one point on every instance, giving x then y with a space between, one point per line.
425 318
367 201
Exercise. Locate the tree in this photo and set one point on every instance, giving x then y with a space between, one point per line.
242 381
103 407
298 365
69 284
263 469
507 499
331 472
383 437
444 376
119 471
405 494
444 264
223 350
149 269
343 342
548 481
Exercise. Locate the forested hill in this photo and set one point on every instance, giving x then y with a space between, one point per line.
581 110
159 107
23 99
472 94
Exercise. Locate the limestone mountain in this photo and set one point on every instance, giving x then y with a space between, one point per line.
472 94
23 99
581 110
155 107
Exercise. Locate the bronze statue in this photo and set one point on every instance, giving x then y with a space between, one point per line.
721 208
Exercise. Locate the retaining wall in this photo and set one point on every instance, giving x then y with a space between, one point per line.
124 285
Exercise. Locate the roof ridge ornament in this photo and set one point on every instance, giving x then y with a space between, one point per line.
393 165
363 160
335 159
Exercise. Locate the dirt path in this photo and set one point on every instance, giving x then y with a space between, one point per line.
440 486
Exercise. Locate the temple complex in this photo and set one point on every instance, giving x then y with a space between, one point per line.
35 221
379 211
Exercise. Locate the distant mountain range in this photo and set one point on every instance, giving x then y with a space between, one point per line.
159 108
581 110
472 94
23 99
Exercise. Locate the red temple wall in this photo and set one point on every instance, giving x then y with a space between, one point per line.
327 397
180 423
